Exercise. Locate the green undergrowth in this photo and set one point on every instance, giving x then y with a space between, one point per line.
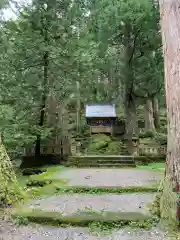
48 190
104 190
52 175
156 166
85 219
107 228
49 175
103 144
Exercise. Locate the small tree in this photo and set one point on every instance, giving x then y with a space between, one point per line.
10 190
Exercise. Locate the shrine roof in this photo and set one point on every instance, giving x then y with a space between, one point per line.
100 110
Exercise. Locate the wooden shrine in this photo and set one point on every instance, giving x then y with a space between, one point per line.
101 118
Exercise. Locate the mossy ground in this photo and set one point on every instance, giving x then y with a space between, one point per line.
156 166
105 190
49 175
85 218
102 144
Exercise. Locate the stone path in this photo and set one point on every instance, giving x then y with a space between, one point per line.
110 177
66 205
39 232
72 203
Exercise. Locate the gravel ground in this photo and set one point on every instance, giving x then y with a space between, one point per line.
38 232
69 204
127 234
110 177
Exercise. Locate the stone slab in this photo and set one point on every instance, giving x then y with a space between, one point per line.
110 177
69 204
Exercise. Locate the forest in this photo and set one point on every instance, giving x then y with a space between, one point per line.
58 56
114 55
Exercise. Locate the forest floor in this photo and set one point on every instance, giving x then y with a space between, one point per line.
94 195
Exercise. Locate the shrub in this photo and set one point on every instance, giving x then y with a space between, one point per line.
30 171
161 138
98 143
146 135
37 183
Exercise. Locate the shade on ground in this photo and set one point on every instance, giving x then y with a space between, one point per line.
91 207
110 177
38 232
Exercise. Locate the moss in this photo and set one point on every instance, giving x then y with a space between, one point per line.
36 183
49 174
156 166
114 147
84 218
31 171
46 190
98 143
161 138
146 135
155 206
102 190
10 190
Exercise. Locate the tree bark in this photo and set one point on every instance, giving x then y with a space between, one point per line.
131 121
155 104
149 119
45 84
130 100
43 106
170 27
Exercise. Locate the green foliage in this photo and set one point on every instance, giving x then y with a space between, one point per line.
103 144
84 44
37 183
98 143
10 191
146 135
20 220
161 138
114 147
29 172
102 190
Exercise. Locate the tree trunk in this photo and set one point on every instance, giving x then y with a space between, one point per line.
149 119
45 60
130 101
170 27
131 121
43 106
155 104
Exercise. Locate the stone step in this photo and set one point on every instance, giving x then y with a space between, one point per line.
82 208
102 161
101 157
107 165
115 161
107 156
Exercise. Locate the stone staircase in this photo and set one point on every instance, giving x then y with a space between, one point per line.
101 161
